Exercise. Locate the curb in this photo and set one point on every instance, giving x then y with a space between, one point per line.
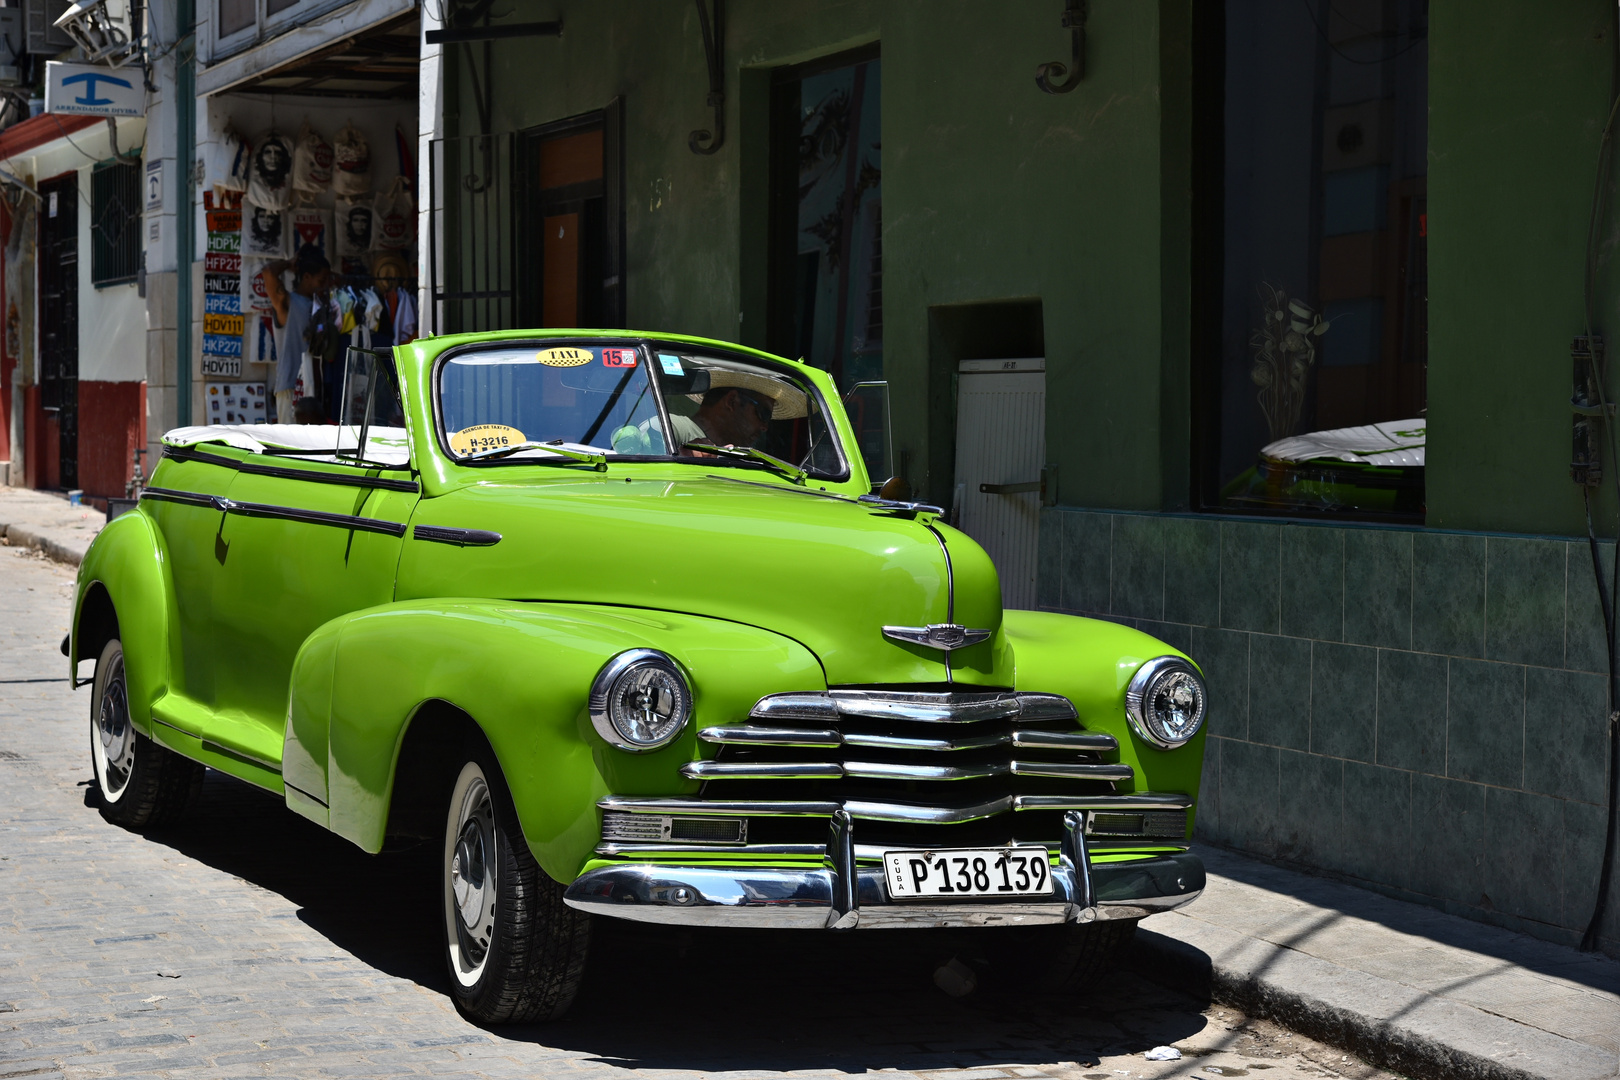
21 536
1319 1000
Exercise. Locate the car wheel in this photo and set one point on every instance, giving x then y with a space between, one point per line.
516 951
1082 951
141 784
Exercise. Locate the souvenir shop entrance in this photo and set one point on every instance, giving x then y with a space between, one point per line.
310 195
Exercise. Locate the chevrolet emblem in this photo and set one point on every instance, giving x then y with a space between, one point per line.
942 636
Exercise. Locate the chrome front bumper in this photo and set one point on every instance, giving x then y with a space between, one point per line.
842 895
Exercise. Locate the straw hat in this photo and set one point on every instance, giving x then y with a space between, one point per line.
789 401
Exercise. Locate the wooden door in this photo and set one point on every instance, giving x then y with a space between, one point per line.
1001 444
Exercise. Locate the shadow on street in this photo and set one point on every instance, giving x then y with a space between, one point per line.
703 1000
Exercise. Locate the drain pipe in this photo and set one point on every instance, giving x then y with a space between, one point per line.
185 155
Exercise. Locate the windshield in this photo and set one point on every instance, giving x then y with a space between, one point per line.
596 397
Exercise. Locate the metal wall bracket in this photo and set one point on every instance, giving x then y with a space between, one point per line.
714 40
1074 21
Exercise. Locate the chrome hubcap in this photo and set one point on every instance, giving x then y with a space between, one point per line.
114 737
470 882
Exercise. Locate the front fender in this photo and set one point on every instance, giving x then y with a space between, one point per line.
522 672
127 560
1091 661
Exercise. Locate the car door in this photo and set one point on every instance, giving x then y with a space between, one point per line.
304 543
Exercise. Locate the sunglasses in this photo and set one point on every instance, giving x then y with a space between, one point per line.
762 409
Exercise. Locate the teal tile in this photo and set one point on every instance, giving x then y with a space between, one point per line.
1448 839
1584 645
1344 700
1086 561
1524 600
1223 656
1175 635
1310 809
1249 796
1049 560
1411 711
1566 734
1138 567
1192 571
1448 594
1313 582
1585 828
1280 691
1377 841
1524 851
1485 723
1207 812
1378 588
1249 582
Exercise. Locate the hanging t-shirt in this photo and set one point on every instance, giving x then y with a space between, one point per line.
294 344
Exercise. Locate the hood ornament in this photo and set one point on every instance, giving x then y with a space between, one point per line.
942 636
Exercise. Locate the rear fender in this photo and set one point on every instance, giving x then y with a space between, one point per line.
522 672
127 567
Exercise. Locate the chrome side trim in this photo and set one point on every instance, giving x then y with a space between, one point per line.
315 517
190 498
749 735
1065 740
463 537
213 747
762 770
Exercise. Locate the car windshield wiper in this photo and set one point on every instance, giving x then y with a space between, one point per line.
748 453
598 460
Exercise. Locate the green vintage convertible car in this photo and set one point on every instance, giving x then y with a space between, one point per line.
616 618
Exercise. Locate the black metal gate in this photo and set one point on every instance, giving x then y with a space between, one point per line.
469 235
59 315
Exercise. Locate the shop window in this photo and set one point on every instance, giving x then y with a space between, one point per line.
240 23
115 223
1312 400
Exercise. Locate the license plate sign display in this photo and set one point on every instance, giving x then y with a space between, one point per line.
968 872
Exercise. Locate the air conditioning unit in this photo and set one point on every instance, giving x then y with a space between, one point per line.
13 46
43 35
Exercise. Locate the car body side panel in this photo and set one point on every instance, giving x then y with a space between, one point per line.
305 752
1090 662
128 559
522 671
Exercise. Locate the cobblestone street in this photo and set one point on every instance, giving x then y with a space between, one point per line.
247 942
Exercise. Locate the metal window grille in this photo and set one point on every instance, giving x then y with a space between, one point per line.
115 223
470 257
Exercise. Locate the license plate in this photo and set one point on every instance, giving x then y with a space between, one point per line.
968 872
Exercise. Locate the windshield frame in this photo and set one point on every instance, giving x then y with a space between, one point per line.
647 349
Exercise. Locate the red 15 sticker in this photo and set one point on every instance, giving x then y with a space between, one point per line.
619 358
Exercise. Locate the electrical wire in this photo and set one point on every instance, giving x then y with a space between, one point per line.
1608 593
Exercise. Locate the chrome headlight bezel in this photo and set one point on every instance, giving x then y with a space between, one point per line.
603 694
1144 686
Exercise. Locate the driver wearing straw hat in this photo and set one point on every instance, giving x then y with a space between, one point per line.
737 409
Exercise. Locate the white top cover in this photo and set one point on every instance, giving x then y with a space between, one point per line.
1394 442
385 445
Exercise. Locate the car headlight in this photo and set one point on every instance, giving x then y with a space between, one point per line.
640 701
1166 700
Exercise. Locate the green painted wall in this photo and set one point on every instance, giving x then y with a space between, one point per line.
992 191
1518 97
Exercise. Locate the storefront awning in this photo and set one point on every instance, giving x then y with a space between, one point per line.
369 49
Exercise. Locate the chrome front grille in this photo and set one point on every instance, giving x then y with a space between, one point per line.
919 767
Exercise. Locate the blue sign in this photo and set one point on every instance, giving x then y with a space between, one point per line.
93 90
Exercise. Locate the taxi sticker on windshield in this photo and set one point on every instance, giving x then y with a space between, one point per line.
470 440
672 364
619 358
564 357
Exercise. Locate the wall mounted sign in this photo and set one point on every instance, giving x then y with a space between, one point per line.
93 90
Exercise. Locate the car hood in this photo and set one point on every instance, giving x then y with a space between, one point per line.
827 572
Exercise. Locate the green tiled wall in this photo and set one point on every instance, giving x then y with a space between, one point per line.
1420 712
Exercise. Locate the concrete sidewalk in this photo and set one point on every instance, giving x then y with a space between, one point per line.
1404 987
39 519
